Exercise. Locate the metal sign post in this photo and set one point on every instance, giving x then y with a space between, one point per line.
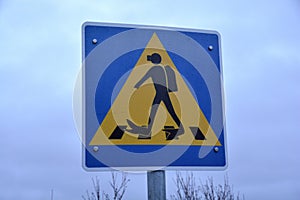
156 183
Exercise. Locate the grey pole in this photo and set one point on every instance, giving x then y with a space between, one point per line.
156 182
51 194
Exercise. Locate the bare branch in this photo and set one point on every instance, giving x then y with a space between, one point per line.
119 190
93 195
186 188
96 184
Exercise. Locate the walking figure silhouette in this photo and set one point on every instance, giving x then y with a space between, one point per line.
164 81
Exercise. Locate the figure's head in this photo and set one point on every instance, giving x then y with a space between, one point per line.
154 58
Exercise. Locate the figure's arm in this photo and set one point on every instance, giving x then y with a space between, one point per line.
145 77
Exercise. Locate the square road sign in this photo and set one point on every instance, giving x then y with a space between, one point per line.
153 98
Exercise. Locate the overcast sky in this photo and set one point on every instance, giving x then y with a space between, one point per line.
41 55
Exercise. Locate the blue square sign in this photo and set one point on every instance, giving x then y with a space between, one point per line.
152 98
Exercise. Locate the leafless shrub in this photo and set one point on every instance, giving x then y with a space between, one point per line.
118 190
186 188
95 195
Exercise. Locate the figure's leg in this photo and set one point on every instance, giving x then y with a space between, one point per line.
170 108
154 108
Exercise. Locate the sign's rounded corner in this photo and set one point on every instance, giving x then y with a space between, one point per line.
224 167
85 168
218 34
85 24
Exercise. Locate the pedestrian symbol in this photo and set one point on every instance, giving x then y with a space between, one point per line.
163 78
155 106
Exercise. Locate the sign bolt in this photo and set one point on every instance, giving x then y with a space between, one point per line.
210 47
216 149
94 41
95 148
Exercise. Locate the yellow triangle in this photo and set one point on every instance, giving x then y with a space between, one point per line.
135 104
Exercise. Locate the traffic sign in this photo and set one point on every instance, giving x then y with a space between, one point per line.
153 98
